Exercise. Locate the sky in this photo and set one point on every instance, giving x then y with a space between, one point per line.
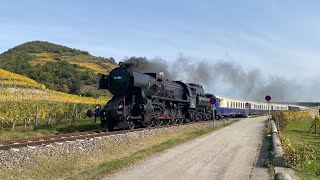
277 37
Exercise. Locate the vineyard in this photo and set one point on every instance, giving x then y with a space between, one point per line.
283 118
97 64
25 102
300 146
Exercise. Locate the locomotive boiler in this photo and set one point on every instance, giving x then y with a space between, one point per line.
146 99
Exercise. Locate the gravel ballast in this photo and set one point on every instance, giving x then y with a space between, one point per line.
28 155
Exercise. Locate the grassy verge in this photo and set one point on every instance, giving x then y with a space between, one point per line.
298 133
269 164
255 116
111 159
45 130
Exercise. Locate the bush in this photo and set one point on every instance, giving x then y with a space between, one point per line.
297 157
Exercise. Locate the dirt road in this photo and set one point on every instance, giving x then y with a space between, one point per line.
231 153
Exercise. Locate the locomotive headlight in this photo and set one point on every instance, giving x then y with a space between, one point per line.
120 107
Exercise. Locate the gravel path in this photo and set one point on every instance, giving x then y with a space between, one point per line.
229 153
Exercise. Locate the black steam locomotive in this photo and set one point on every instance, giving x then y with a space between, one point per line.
146 99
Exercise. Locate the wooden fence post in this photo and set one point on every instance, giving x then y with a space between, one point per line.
36 117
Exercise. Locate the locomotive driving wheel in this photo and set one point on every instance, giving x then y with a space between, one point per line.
168 119
151 123
131 125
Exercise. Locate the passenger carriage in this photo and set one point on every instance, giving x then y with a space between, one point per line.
231 107
258 108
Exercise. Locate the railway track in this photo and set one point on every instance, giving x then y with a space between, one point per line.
18 143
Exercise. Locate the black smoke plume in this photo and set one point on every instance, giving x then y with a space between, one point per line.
143 64
239 83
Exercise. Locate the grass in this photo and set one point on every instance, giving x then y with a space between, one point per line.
112 158
254 116
5 135
298 133
45 130
269 164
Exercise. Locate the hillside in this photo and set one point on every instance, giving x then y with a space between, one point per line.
15 87
57 67
23 100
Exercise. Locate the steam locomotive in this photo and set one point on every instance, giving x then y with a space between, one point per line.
146 99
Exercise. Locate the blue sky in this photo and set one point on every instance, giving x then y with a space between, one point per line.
278 37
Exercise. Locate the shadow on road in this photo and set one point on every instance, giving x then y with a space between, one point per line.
263 158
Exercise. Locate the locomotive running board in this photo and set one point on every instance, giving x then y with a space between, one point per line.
164 98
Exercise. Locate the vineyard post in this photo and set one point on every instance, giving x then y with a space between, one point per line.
14 124
36 117
14 115
74 114
80 114
278 124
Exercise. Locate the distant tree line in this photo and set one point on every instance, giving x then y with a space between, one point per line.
46 47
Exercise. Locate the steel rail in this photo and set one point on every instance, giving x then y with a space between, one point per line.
45 140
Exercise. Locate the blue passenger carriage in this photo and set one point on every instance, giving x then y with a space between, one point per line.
231 107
